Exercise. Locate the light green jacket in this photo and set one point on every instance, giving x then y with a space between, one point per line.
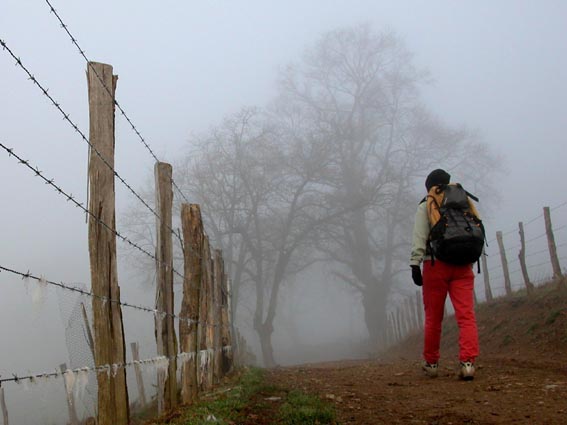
421 230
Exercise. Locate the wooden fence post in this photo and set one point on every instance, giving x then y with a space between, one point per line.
401 330
165 327
522 258
210 340
410 307
205 321
193 239
487 289
218 276
407 317
113 408
139 380
73 418
419 309
557 275
507 282
226 325
3 406
395 335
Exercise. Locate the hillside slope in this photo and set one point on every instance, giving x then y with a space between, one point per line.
519 327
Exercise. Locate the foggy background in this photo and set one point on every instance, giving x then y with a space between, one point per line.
496 68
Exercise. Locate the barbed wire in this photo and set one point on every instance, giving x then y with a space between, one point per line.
67 118
530 266
561 205
530 221
133 127
113 368
71 198
527 242
71 288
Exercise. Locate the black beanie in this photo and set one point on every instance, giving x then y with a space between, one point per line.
437 177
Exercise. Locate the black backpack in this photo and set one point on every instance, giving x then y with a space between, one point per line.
457 233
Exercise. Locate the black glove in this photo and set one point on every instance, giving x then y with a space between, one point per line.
416 275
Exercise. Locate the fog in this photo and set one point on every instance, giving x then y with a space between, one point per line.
496 69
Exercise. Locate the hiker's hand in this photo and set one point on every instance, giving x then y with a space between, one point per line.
416 275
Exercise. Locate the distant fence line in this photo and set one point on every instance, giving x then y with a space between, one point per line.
205 347
407 317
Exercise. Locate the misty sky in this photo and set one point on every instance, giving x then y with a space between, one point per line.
497 68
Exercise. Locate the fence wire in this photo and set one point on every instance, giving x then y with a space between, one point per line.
75 127
118 106
69 197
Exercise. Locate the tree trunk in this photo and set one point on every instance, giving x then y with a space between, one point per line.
375 318
265 333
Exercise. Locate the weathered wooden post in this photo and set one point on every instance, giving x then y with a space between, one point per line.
113 408
73 418
226 325
392 323
134 347
218 276
165 326
486 276
419 308
522 258
557 275
211 308
193 239
507 281
410 307
401 323
205 377
3 407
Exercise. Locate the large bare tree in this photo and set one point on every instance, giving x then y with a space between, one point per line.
328 172
360 89
259 183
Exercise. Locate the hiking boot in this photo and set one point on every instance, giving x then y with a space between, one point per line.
430 369
466 372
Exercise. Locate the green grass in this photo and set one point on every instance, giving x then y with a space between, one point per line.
247 395
226 406
304 409
552 317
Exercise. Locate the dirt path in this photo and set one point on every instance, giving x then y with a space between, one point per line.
505 391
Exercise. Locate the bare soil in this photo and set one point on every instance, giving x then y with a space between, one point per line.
521 374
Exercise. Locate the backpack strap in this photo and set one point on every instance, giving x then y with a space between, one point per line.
470 195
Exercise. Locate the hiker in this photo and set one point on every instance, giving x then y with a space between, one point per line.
447 267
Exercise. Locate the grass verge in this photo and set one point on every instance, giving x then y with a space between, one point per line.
249 400
301 408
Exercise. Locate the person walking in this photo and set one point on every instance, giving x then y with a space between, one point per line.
440 277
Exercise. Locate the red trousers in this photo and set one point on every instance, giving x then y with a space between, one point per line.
438 280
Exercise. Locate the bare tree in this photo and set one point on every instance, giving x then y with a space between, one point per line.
360 89
329 172
258 179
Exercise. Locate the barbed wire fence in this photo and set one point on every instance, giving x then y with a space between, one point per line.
543 251
210 358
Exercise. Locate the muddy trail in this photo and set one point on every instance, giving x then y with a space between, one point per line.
521 373
521 378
